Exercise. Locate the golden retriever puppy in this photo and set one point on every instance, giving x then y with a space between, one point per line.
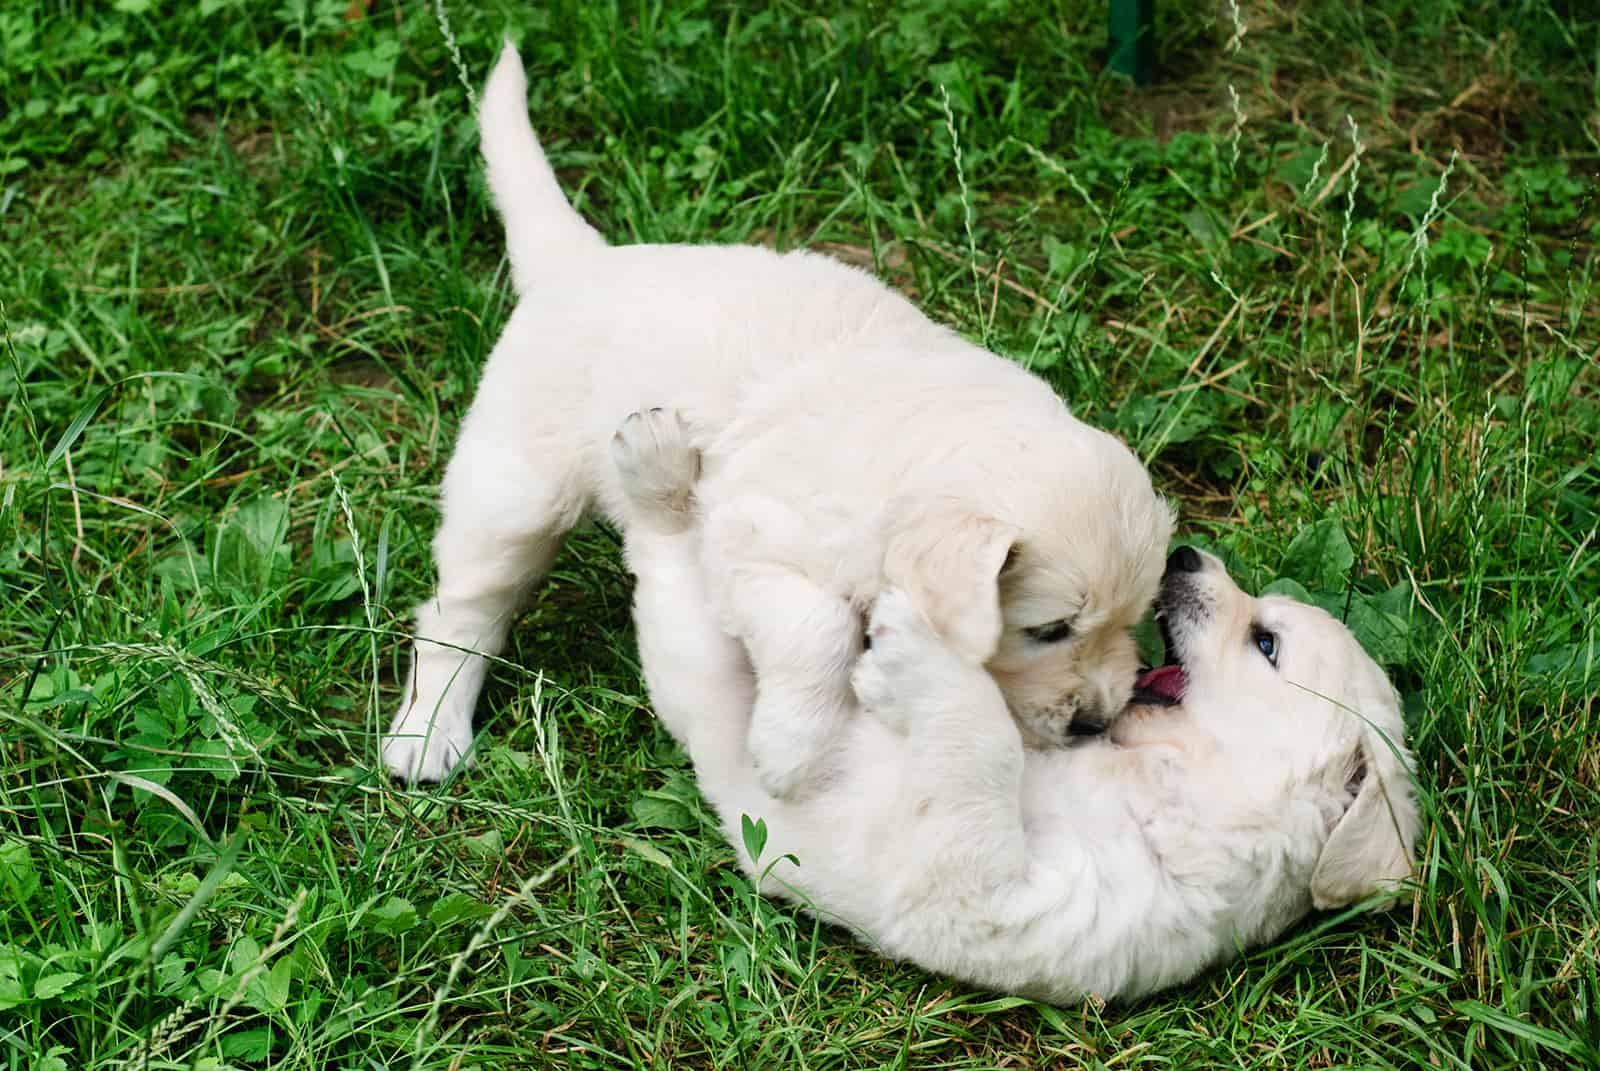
1263 773
845 439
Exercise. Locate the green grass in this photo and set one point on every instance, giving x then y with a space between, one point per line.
249 275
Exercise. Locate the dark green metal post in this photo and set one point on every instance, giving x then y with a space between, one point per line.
1131 45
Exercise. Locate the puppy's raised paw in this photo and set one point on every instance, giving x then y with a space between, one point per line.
657 466
895 621
902 650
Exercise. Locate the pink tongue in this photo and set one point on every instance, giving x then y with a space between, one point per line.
1165 681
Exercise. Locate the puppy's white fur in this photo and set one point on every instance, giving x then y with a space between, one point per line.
844 436
1117 867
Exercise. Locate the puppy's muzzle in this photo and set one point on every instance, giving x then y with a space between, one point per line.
1184 560
1181 593
1180 607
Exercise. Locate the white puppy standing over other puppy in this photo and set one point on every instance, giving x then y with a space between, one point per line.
1278 782
846 439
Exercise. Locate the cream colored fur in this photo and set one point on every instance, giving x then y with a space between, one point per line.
842 434
1116 867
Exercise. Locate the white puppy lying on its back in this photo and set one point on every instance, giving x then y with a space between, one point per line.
1278 782
845 437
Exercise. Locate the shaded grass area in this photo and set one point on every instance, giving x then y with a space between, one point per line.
1334 279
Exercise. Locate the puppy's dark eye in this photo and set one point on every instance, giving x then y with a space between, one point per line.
1266 642
1053 632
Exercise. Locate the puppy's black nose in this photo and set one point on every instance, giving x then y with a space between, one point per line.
1185 560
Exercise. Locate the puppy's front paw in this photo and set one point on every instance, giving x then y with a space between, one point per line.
896 619
419 748
657 466
902 648
780 768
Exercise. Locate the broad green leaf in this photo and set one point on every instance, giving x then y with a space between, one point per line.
754 834
1320 556
1383 634
268 991
251 548
51 986
458 907
656 810
394 916
251 1046
18 878
1292 588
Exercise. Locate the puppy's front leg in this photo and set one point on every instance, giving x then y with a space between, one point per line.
699 681
802 642
965 753
801 638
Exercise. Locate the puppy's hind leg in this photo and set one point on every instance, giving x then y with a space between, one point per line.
502 521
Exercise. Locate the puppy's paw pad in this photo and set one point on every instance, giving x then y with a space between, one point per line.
652 446
657 463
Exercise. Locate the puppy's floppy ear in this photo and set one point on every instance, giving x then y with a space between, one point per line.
948 560
1371 846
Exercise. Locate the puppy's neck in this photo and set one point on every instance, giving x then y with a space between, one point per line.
1165 757
1233 850
1160 734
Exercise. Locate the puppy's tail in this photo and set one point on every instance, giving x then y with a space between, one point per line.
542 229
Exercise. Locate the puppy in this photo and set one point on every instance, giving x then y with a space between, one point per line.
846 441
1266 775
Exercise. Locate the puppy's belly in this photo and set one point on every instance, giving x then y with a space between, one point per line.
845 837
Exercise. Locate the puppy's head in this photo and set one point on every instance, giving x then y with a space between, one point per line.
1047 596
1287 694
